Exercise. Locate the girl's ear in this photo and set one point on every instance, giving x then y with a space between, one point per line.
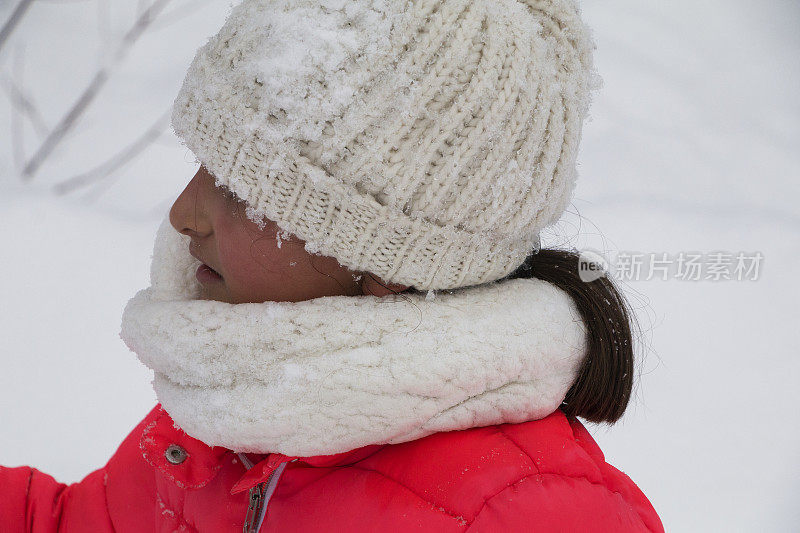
371 284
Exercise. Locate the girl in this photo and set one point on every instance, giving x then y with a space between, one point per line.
350 322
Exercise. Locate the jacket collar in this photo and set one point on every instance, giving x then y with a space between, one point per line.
203 462
262 470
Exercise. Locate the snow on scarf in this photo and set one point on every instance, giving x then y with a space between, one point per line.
335 373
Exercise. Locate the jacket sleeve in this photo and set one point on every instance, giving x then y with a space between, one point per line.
32 501
555 502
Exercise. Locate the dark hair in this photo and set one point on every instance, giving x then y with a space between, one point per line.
603 387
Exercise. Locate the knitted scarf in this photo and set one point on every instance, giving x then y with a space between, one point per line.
335 373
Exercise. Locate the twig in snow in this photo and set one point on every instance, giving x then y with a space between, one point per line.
13 20
17 133
100 78
119 159
23 103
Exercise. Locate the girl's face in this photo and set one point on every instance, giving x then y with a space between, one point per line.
247 264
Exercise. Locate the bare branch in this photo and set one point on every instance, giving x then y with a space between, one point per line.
17 133
119 159
99 80
22 102
13 20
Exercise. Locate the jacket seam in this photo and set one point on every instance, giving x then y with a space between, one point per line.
105 496
579 442
28 519
434 505
61 501
561 476
180 517
512 441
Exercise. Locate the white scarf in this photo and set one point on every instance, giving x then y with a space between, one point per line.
335 373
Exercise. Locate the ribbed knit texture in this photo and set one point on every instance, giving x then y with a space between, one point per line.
427 142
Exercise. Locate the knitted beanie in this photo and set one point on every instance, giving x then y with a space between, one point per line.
425 141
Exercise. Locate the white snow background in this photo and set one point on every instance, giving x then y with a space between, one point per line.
693 146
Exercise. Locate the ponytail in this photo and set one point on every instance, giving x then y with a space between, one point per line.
603 387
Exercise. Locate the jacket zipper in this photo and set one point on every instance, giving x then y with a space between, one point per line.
254 507
259 497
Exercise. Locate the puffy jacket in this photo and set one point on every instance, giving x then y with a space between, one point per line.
542 475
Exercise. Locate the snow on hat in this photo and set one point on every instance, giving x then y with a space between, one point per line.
425 141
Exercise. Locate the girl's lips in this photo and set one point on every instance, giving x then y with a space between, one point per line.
206 275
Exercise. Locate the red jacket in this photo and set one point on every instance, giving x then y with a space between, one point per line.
543 475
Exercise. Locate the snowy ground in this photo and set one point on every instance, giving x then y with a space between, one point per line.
693 147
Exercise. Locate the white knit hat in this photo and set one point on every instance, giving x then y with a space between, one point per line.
427 142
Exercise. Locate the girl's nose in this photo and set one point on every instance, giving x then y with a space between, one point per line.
188 214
